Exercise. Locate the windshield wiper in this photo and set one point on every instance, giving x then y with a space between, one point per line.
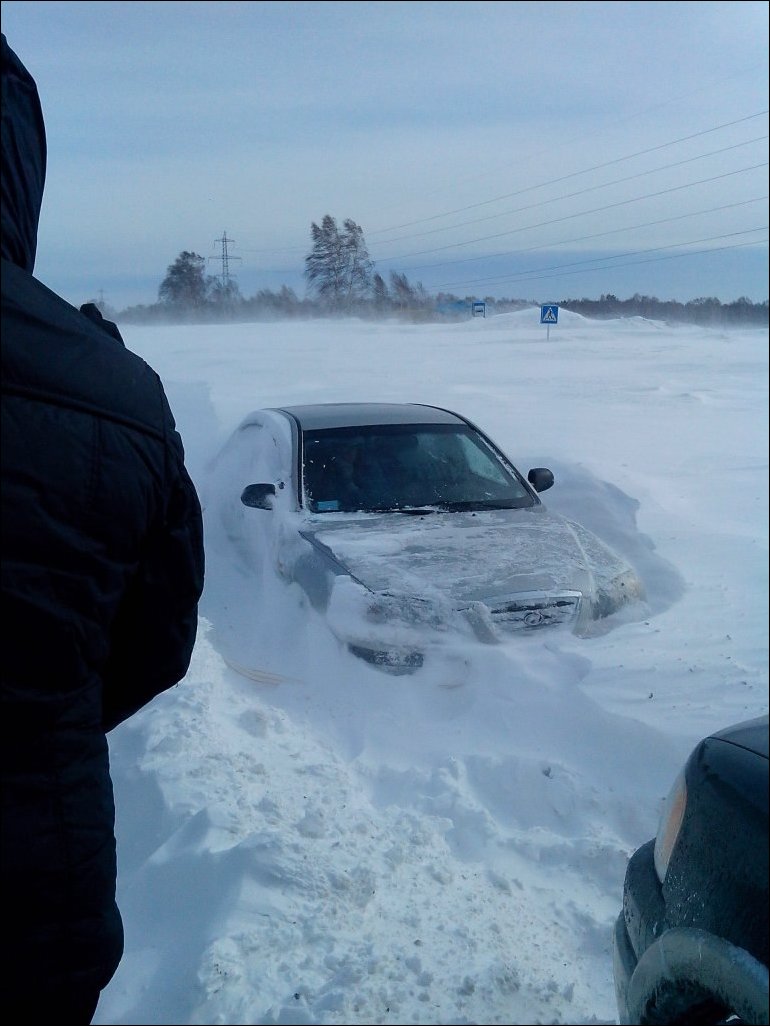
414 511
483 504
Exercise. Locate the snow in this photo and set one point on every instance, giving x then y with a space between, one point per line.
305 839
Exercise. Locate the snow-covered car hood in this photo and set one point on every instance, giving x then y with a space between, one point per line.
466 557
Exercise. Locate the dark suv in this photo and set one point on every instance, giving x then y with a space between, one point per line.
691 944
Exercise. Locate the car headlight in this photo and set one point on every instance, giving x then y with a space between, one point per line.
612 595
628 586
670 824
407 610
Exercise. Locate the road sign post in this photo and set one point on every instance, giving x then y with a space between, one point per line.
549 314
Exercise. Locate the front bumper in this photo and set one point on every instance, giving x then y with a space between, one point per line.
624 961
392 660
640 922
654 964
396 633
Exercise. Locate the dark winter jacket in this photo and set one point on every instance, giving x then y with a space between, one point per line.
102 570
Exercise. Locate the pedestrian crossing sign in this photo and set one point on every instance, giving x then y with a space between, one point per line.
549 313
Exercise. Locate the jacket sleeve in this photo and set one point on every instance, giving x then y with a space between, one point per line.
154 633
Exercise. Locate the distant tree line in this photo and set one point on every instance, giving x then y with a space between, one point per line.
707 311
342 281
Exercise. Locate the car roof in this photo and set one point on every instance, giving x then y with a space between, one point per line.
317 416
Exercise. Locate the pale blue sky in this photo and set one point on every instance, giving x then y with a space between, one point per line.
533 150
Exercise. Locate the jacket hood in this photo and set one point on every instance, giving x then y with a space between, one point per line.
23 161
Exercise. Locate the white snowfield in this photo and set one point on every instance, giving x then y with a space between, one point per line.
304 839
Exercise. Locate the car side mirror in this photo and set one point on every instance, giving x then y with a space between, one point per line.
258 496
540 478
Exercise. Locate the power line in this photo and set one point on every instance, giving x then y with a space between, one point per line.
534 274
611 231
574 174
583 238
566 217
554 181
580 192
582 137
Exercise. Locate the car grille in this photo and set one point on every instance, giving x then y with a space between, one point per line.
530 610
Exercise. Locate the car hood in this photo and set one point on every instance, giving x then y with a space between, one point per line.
750 734
467 557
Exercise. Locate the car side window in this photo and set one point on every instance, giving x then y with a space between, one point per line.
333 474
319 487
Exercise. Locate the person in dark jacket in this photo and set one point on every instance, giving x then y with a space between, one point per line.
102 571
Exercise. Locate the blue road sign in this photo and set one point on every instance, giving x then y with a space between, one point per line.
549 313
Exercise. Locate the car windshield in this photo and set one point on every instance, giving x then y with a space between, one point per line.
407 467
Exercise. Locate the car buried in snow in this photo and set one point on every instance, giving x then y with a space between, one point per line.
406 525
691 942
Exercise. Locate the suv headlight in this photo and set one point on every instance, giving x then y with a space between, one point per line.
670 824
408 610
612 595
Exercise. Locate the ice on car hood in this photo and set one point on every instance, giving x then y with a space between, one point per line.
467 557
